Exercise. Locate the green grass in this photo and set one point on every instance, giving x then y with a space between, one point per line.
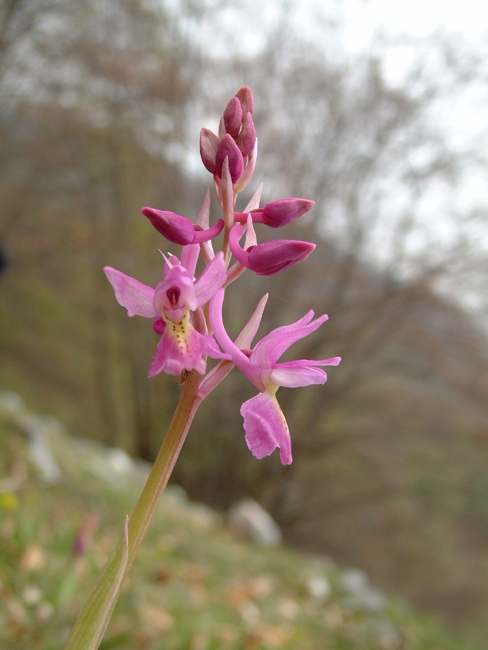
194 585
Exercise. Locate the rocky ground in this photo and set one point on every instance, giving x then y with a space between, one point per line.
202 581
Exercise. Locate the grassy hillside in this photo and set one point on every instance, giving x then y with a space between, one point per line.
194 586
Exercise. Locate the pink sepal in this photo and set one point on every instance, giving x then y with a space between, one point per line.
244 95
233 117
242 183
229 149
209 143
212 278
136 297
247 137
270 348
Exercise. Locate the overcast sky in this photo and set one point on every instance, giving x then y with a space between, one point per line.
420 17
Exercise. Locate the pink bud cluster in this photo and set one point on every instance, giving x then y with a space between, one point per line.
188 311
236 140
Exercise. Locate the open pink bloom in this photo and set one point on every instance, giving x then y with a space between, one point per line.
264 422
181 347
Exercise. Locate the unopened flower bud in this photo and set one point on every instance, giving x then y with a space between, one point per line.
244 95
270 257
233 117
247 137
278 213
275 256
209 143
284 211
178 229
229 149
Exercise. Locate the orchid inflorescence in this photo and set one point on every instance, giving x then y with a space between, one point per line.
187 312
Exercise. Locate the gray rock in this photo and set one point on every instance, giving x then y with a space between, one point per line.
361 595
319 588
40 452
248 519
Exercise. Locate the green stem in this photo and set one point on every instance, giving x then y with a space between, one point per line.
90 627
163 465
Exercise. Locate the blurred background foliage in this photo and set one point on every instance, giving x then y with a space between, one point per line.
100 106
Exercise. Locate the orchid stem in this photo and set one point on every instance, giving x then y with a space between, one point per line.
164 463
90 627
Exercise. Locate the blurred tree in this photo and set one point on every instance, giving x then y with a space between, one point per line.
413 384
92 110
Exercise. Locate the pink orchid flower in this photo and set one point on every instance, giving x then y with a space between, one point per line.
181 346
264 422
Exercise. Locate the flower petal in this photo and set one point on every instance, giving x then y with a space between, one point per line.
296 377
248 332
273 345
211 349
301 372
204 235
266 427
252 372
189 258
136 297
211 280
176 293
180 348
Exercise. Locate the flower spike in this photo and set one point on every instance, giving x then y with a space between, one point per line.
185 312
